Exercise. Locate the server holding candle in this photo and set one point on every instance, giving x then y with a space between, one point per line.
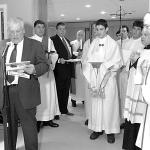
49 101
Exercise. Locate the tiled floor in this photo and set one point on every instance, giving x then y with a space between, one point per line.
71 135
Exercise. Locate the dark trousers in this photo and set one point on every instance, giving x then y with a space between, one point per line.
63 86
130 135
27 119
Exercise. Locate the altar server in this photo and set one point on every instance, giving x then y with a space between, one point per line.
103 60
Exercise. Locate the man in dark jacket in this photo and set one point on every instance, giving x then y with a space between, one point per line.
63 69
24 92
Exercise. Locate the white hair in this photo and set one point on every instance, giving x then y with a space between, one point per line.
15 21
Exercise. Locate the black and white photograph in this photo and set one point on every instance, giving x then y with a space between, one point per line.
74 74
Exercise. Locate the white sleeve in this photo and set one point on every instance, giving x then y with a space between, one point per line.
51 45
146 89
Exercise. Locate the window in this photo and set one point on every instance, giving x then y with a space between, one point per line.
3 21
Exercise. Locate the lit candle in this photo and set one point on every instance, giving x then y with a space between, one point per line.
49 44
81 44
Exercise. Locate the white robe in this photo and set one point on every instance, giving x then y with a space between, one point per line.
122 73
49 101
104 112
133 102
85 83
124 49
143 138
128 46
79 94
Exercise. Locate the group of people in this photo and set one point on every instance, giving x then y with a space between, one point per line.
38 86
116 83
112 77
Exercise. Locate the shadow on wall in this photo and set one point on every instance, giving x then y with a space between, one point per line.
28 29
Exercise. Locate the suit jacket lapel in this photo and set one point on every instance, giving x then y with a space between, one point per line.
26 50
60 41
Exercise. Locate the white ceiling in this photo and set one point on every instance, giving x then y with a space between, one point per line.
73 9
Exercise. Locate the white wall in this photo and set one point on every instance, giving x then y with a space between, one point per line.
28 10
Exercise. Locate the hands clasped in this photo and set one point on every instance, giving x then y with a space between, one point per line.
100 92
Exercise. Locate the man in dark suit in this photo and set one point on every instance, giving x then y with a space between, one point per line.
63 70
24 93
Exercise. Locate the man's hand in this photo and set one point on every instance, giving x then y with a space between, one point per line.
61 60
79 54
144 67
30 69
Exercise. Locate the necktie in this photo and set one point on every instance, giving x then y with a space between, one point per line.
65 44
12 59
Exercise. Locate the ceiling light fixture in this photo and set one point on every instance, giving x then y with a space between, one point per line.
113 17
87 6
78 19
103 12
62 15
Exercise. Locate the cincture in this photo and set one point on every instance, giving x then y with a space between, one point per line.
101 44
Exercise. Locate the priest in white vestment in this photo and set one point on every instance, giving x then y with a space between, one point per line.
104 112
143 77
78 93
48 108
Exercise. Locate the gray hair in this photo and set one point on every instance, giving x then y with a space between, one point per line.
15 21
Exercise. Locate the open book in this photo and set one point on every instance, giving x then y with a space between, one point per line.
17 69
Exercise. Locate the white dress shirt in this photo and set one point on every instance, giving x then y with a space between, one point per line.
18 56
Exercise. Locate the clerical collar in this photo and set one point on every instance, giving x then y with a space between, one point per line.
102 41
147 47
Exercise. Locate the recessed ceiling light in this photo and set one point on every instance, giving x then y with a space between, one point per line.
113 17
103 12
88 6
78 19
62 15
